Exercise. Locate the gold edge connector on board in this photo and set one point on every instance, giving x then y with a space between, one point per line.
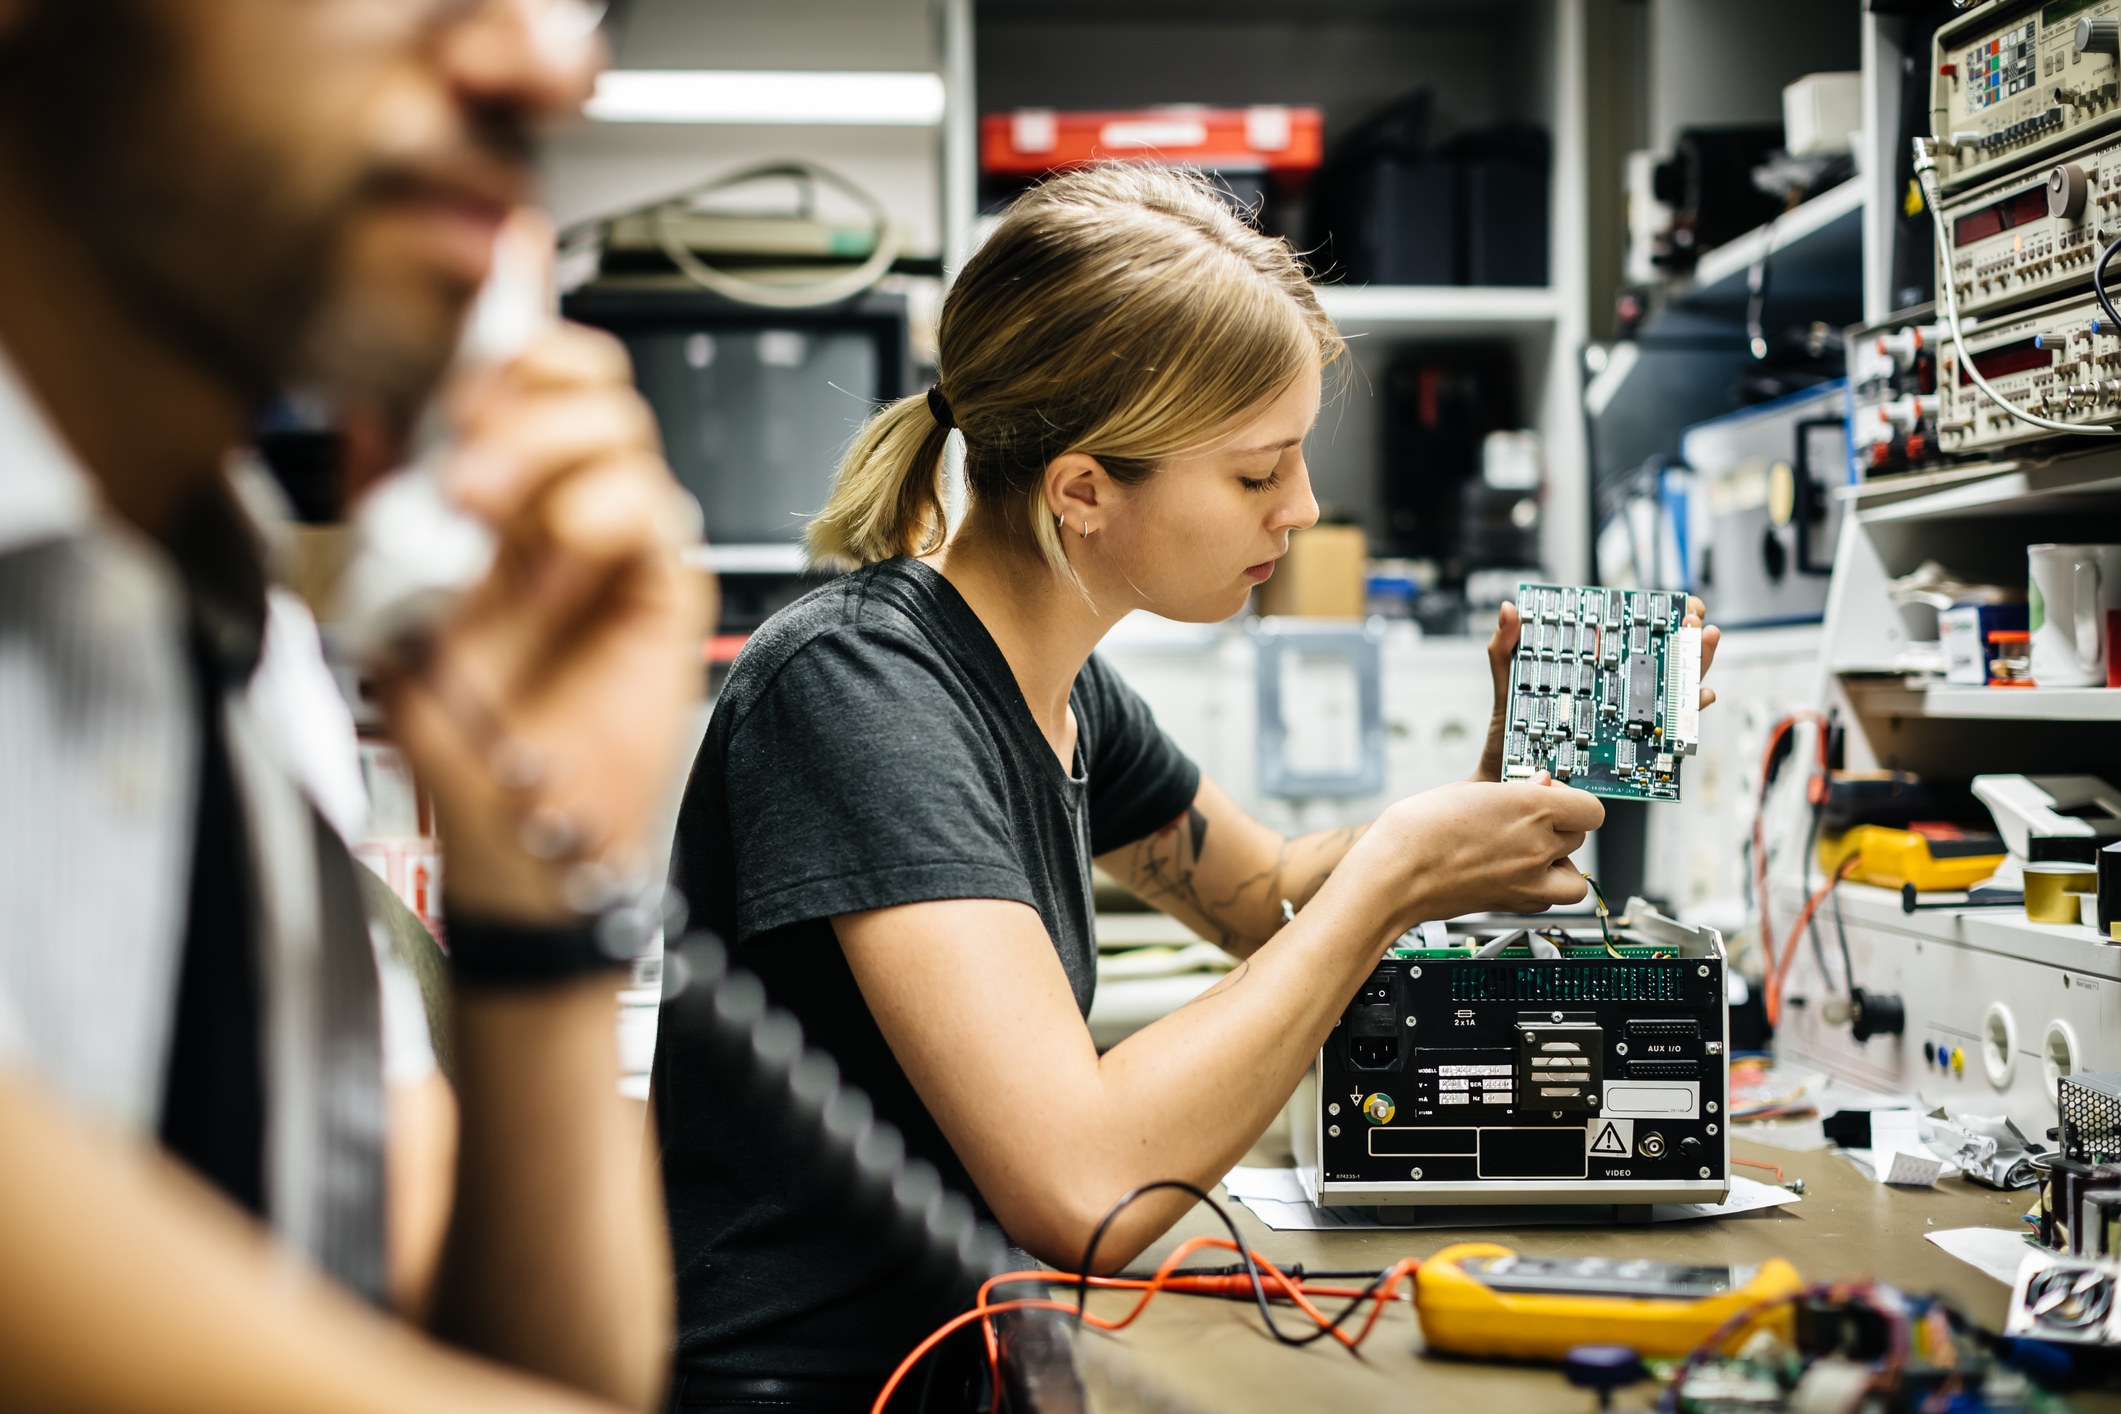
1688 734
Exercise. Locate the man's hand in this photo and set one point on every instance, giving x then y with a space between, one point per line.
1503 642
563 683
559 691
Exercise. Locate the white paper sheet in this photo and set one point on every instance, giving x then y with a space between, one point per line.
1275 1185
1276 1198
1998 1251
1897 1153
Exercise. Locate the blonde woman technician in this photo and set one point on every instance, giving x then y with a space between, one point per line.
910 771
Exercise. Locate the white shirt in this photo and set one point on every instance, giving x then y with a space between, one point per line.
99 757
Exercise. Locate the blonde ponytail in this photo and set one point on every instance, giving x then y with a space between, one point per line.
887 498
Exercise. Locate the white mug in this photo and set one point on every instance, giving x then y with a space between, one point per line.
2070 588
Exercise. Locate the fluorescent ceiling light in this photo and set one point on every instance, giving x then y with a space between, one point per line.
753 96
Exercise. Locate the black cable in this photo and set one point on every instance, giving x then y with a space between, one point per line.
1250 1268
1848 969
1127 1200
761 1047
2099 283
1811 845
1756 297
1603 909
1298 1272
758 1049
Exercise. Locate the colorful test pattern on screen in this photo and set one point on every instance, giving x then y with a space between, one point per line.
1605 690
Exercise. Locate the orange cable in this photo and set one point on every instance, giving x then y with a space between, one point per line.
1148 1289
1780 972
1275 1282
1773 998
1776 1169
1402 1271
942 1332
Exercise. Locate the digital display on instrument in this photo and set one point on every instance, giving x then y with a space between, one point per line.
2011 358
1604 1276
2027 206
2063 9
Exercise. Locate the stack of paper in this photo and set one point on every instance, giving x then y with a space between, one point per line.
1276 1198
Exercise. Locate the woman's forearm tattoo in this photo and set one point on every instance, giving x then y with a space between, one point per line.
1165 871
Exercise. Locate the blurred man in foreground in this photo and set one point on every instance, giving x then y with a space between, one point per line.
200 204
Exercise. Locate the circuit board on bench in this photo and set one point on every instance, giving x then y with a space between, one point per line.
1605 690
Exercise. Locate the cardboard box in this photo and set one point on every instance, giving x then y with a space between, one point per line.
1963 632
1322 576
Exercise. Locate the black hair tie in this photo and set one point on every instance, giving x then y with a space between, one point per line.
939 407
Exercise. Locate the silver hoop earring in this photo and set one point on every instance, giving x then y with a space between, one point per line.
1086 525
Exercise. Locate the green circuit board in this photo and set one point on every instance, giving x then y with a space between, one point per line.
1605 689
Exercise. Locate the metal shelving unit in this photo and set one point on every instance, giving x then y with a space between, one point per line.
1988 489
1815 243
1544 324
1945 701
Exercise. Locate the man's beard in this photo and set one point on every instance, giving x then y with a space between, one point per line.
196 227
351 346
194 235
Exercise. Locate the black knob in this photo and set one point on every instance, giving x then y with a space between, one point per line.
2098 36
1876 1014
1690 1147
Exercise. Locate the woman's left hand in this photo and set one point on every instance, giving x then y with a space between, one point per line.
1504 643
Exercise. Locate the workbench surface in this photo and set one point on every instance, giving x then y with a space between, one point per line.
1193 1354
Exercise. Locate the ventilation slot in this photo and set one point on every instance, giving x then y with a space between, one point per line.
1566 982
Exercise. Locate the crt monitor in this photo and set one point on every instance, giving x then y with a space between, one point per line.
755 405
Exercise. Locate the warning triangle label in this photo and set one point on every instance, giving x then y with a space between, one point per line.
1609 1141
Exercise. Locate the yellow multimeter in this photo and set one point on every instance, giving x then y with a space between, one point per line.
1478 1298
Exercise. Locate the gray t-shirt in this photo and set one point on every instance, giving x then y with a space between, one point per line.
871 748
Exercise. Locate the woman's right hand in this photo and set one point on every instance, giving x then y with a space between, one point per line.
1475 846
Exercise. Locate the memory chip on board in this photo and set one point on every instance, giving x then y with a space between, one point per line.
1642 694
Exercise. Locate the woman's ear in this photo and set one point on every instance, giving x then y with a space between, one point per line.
1078 491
